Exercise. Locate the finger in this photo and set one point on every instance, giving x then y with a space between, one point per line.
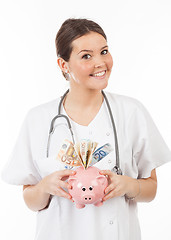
109 188
61 193
65 185
112 194
106 172
108 196
65 173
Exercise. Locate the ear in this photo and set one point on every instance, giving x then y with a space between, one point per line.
101 179
63 65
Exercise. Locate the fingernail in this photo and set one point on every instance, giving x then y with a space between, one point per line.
106 190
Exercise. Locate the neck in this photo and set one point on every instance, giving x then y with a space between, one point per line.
83 98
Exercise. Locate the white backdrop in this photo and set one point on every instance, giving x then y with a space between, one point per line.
139 36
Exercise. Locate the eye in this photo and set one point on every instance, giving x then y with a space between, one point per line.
86 56
83 189
90 188
104 52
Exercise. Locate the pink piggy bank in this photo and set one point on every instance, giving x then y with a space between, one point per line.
87 186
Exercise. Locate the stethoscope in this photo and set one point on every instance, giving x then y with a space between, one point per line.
116 168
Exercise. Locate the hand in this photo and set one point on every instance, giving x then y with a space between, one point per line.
119 185
54 183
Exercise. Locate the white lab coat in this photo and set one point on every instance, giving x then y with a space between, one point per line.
141 150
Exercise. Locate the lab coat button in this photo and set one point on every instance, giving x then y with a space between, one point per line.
108 133
109 161
90 132
111 222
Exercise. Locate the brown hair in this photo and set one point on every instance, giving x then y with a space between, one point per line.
70 30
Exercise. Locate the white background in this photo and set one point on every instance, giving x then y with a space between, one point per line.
139 36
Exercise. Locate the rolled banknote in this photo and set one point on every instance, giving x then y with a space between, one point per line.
77 151
87 148
92 147
84 147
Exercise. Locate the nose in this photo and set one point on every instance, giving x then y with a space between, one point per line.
99 62
99 65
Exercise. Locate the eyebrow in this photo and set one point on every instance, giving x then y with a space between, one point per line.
86 50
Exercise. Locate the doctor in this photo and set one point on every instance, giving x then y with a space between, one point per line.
85 61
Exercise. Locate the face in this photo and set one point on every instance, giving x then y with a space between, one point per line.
90 63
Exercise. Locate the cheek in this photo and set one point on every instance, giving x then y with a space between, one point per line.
80 69
109 62
85 68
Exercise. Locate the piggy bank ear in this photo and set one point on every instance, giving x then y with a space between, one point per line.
71 181
101 179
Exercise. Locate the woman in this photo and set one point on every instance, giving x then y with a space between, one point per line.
85 60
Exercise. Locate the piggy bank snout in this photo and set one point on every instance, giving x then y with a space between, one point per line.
87 198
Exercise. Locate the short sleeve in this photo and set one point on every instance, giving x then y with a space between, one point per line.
149 149
20 168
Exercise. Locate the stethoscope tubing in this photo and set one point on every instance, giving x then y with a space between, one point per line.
117 168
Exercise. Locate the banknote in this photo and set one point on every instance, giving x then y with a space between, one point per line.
92 147
82 153
101 152
72 161
67 154
77 151
84 150
67 148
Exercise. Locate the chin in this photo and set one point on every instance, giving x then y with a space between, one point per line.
103 85
99 87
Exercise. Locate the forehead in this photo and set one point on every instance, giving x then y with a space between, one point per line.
90 41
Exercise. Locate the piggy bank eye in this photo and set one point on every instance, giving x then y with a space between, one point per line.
83 188
91 188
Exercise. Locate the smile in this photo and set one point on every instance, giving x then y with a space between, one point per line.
99 74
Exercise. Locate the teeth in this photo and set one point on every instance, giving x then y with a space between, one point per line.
99 74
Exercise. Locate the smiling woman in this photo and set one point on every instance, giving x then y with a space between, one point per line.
85 60
88 68
83 53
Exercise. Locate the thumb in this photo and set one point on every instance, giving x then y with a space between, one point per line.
65 173
106 172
